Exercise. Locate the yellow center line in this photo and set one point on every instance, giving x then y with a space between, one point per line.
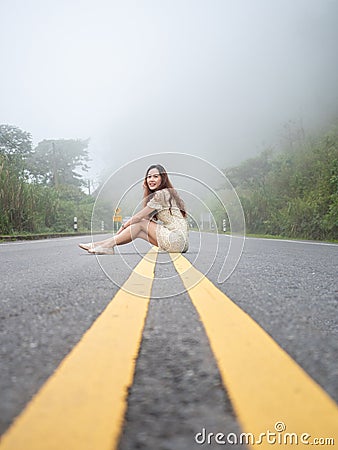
264 383
82 405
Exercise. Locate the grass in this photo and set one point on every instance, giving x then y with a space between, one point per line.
270 236
35 236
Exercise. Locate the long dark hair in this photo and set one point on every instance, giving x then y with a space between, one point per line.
165 184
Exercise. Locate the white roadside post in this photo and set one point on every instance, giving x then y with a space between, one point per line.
75 223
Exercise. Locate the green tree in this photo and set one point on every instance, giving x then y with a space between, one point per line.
293 192
41 190
15 148
55 162
14 143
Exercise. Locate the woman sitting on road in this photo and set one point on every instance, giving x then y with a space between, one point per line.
160 202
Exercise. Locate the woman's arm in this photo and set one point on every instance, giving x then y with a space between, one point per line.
143 214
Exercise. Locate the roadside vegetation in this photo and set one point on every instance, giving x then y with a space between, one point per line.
41 189
290 191
293 191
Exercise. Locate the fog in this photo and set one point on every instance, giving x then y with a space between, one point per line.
217 79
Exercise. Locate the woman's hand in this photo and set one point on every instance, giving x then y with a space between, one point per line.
144 213
123 227
132 220
120 229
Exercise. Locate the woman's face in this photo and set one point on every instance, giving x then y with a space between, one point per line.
153 179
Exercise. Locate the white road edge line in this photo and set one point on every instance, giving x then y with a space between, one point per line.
39 241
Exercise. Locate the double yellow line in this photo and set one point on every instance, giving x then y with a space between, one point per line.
82 406
265 385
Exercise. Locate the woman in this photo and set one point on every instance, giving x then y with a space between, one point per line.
160 202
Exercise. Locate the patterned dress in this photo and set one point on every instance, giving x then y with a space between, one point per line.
172 234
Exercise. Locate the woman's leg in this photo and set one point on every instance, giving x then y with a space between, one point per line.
145 229
97 243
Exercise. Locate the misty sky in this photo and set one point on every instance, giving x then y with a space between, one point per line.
215 78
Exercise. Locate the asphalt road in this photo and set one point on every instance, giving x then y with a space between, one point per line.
51 293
